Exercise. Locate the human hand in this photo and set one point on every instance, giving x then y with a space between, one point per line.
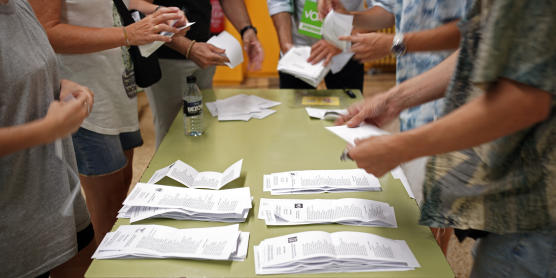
377 110
252 46
148 29
325 6
323 50
182 21
370 46
65 116
379 154
284 48
205 54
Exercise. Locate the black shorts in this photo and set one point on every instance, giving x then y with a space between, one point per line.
84 237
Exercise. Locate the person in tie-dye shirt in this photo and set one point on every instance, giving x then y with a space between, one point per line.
493 170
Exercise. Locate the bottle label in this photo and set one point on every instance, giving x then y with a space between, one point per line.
192 108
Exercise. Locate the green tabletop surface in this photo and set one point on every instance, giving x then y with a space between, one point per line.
284 141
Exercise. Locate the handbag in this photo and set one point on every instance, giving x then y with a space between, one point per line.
147 70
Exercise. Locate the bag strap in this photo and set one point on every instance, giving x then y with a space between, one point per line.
125 15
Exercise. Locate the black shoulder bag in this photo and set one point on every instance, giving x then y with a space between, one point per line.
147 70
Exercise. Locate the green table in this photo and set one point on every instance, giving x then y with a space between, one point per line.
287 140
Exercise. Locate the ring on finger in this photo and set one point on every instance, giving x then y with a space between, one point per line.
155 28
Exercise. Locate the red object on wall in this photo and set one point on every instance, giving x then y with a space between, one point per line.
217 17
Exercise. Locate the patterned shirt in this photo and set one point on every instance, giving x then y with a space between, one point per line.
507 185
418 15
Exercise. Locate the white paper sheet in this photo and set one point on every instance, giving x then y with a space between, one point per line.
347 211
188 176
241 107
336 25
156 241
320 181
147 50
233 49
361 132
294 62
319 113
319 252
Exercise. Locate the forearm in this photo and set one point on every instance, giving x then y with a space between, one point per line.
506 109
236 12
373 19
444 37
144 6
283 25
17 138
179 44
66 38
425 87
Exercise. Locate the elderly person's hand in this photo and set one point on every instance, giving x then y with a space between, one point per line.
205 55
377 110
148 29
325 6
379 154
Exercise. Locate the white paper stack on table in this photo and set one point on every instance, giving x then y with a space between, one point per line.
188 176
348 211
241 108
294 62
155 241
162 201
318 252
319 181
226 41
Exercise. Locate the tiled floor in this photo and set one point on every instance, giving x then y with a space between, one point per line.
459 256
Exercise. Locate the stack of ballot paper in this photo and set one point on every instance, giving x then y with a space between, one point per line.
318 252
188 176
161 201
319 181
155 241
241 108
348 211
294 62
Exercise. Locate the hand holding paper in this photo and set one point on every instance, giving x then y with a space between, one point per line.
226 41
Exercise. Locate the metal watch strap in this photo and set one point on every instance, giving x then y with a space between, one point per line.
398 45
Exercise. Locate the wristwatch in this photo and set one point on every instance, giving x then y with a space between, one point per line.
398 45
244 29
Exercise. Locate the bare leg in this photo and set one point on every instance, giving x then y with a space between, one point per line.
104 196
128 169
76 266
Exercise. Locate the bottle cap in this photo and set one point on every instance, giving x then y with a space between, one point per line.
191 79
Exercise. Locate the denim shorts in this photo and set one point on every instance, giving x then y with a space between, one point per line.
101 154
515 255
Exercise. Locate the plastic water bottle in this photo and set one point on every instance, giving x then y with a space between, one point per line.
192 108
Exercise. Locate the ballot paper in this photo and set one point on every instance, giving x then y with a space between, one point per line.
336 25
363 131
320 181
241 107
294 62
323 114
161 201
348 211
156 241
226 41
188 176
319 252
147 49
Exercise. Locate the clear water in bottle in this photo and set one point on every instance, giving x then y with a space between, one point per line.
192 108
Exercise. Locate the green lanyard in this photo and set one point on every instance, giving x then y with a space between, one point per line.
310 24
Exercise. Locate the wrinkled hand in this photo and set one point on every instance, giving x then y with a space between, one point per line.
65 116
325 6
204 55
323 50
148 29
377 110
252 46
370 46
181 21
377 155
